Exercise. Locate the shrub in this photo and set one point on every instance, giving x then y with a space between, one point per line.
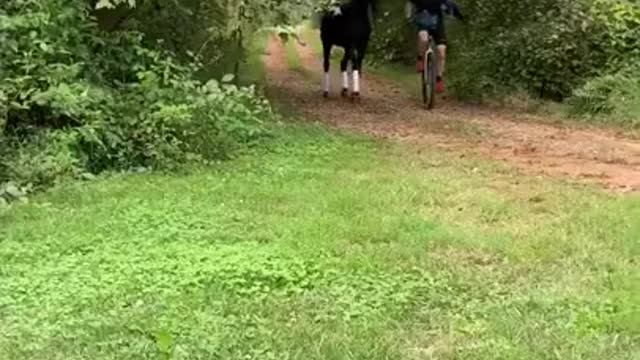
4 146
45 158
75 99
616 95
547 48
161 127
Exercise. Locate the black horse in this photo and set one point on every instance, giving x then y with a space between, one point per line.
350 29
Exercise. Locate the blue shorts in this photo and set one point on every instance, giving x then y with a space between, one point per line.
433 24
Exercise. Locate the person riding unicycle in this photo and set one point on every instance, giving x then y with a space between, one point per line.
428 17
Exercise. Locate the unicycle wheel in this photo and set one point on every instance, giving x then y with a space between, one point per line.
429 80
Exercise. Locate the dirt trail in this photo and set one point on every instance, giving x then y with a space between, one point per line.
599 156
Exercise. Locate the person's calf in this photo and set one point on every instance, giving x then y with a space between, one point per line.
423 41
442 56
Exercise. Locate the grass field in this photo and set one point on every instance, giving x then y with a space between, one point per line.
322 246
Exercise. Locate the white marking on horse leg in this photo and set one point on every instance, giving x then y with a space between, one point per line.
345 84
356 81
326 84
345 80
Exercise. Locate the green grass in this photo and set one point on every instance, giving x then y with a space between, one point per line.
293 59
322 246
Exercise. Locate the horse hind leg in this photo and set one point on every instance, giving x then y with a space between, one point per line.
345 76
358 59
326 84
362 51
357 65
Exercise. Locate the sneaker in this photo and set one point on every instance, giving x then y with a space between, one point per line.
439 86
420 65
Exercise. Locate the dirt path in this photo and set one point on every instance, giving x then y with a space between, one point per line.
599 156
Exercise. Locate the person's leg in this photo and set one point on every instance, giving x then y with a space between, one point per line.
442 55
326 47
423 41
356 72
441 40
344 64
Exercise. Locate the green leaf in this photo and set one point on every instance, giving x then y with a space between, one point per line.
105 4
111 4
14 191
164 341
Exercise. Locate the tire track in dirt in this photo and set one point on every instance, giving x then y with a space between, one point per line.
584 155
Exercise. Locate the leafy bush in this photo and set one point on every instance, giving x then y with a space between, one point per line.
616 95
76 100
217 30
47 156
4 146
393 37
547 48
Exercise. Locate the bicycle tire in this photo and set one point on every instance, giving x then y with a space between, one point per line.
432 66
429 80
423 83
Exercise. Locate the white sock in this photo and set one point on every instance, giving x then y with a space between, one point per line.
356 81
345 80
327 82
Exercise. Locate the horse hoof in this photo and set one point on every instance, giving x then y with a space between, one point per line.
355 97
325 94
345 93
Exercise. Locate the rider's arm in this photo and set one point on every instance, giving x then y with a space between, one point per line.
453 7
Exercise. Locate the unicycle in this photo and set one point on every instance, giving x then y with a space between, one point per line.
428 76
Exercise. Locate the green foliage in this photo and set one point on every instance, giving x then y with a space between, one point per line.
217 31
615 95
76 100
45 158
112 4
4 143
547 48
10 192
393 38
